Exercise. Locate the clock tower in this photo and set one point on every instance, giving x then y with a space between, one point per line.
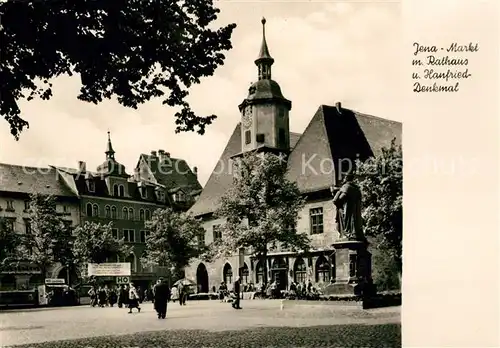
265 112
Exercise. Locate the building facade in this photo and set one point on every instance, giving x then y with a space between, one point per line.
110 195
107 195
17 183
317 161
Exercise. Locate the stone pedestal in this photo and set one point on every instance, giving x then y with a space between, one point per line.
353 269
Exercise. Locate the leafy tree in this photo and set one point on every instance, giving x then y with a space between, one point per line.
44 245
260 210
173 240
132 50
94 243
381 182
9 243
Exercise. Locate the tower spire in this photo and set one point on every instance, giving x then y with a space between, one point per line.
264 61
110 153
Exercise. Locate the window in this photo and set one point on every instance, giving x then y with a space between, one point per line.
91 186
113 212
217 232
129 235
259 273
281 137
300 271
131 213
144 236
148 215
27 226
248 137
322 270
316 219
108 211
26 206
144 192
121 190
125 214
201 239
353 260
141 214
228 273
10 205
65 209
180 197
114 231
95 210
131 260
245 274
89 209
115 190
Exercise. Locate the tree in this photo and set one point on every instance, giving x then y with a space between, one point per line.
260 210
381 182
174 239
9 243
94 243
133 50
44 244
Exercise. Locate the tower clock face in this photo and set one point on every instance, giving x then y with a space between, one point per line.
247 117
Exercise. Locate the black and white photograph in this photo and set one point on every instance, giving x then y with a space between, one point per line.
185 173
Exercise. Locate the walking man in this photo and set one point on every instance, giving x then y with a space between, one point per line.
133 298
161 296
237 293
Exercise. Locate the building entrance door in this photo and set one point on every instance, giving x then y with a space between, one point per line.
281 278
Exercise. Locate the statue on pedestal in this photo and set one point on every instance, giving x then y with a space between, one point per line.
348 202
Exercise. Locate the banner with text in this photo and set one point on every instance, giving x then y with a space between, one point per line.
109 269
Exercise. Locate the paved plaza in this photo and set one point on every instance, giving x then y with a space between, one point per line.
260 323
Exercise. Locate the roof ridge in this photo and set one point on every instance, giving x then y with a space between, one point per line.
362 114
23 166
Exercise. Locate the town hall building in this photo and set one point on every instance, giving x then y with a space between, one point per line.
334 137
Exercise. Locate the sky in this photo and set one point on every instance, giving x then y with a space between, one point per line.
325 52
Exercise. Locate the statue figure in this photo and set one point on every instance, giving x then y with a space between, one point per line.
348 203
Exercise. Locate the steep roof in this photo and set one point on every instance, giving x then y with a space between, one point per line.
334 137
221 177
23 179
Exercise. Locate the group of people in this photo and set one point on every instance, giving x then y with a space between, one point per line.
234 296
131 297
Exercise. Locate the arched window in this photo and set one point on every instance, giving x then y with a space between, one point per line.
131 213
95 209
141 214
131 259
148 215
122 191
113 212
244 274
108 211
300 271
125 214
228 274
89 209
115 190
259 273
322 270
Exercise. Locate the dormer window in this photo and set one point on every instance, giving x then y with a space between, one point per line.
121 191
115 190
160 195
180 197
91 186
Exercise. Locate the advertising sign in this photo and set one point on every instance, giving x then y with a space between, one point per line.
111 269
123 280
54 281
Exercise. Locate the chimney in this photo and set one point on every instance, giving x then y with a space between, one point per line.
161 152
136 174
339 107
195 171
153 153
167 154
82 166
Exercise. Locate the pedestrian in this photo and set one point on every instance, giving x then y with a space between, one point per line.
237 293
161 298
182 293
133 299
93 296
